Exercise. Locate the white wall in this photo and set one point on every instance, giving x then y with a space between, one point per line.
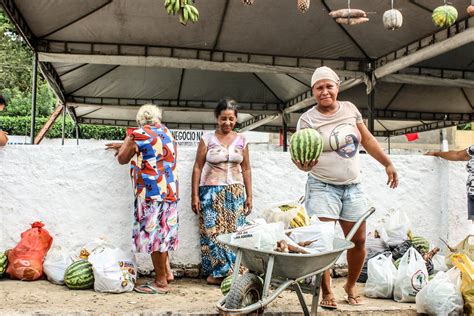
81 192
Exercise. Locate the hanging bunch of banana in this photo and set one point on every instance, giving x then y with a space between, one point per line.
186 11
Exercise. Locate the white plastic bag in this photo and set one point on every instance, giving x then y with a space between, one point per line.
396 229
439 263
55 264
322 232
263 237
442 295
294 216
115 271
381 277
411 276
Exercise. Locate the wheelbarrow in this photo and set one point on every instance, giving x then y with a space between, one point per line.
283 270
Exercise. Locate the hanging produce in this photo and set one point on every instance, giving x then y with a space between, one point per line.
248 2
187 12
349 16
303 5
392 19
445 15
470 9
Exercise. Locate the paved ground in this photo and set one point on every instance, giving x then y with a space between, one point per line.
188 296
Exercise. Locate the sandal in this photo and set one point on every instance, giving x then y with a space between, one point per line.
353 300
151 288
328 302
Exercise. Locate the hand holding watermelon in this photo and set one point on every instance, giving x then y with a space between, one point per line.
307 166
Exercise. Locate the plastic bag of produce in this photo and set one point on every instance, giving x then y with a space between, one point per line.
291 213
463 263
442 295
465 246
320 233
412 276
396 229
439 263
381 277
55 264
115 271
26 259
263 237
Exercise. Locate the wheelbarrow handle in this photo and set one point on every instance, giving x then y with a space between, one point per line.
359 222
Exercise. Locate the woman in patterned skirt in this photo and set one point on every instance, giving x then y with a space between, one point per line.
221 190
151 149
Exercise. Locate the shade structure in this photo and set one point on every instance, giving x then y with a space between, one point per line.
104 58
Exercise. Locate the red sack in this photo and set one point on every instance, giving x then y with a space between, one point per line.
26 259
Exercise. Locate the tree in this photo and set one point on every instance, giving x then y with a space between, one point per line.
16 71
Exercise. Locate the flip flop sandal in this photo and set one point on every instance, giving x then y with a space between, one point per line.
149 289
332 305
352 300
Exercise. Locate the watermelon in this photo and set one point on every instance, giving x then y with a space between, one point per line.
301 219
444 16
3 263
79 275
226 285
306 145
421 244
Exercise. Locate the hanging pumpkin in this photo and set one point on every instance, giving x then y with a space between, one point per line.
470 10
248 2
445 15
392 19
303 5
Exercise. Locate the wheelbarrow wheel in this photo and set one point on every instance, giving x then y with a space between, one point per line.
246 291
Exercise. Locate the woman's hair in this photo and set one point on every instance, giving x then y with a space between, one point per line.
149 114
3 101
226 104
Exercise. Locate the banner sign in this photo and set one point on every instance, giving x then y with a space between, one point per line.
183 137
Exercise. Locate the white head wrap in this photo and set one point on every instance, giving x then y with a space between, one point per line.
324 73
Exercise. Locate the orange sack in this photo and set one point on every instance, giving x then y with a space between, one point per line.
26 259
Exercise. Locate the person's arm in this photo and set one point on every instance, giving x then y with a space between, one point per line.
373 148
247 175
128 149
196 177
452 155
3 138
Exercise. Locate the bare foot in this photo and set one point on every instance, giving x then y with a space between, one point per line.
170 277
328 301
352 298
214 281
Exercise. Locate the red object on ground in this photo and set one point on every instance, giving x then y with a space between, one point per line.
411 137
25 261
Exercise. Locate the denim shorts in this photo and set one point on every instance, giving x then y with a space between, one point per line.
344 202
470 207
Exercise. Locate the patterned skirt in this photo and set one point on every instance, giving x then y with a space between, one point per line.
155 226
222 212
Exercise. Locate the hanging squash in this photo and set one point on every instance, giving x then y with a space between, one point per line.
470 10
445 15
349 16
303 5
248 2
392 19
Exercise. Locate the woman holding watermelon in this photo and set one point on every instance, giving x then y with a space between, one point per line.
333 191
221 190
151 152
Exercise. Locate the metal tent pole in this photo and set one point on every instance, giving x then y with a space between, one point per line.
77 134
371 118
63 131
285 136
33 98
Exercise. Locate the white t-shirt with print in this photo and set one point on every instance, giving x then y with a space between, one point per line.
339 162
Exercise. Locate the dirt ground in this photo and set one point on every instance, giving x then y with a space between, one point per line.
188 296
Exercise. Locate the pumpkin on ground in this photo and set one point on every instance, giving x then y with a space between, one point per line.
306 145
79 275
444 16
3 263
392 19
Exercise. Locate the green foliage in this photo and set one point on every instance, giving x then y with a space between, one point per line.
465 127
16 73
22 125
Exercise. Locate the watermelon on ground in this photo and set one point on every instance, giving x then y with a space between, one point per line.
306 145
421 244
226 284
79 275
3 263
444 16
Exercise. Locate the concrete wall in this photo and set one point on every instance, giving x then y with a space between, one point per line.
81 193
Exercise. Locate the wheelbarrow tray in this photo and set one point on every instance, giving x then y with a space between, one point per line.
287 265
